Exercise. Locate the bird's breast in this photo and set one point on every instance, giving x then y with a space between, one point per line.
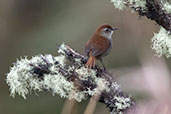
109 49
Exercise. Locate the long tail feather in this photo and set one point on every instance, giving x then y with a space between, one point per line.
91 62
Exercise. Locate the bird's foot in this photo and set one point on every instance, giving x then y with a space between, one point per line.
104 69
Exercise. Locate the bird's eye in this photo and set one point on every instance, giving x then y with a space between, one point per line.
107 30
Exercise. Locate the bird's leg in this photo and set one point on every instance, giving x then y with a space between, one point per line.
104 68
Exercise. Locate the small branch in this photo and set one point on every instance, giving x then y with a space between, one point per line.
67 76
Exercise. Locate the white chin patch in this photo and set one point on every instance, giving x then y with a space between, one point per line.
111 34
108 35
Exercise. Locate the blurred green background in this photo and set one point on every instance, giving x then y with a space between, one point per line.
31 27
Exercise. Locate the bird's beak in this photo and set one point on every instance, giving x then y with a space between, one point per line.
114 29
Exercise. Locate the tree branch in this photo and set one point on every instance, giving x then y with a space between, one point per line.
67 76
158 11
152 9
155 11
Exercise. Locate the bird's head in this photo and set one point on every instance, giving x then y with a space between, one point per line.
106 30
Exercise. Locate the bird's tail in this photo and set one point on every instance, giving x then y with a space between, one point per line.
91 62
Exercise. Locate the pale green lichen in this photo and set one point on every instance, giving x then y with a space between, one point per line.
161 43
58 84
77 60
101 83
134 4
62 49
62 59
138 3
17 77
22 80
166 6
84 73
120 4
72 81
115 85
121 104
162 40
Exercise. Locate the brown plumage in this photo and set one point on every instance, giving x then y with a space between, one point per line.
99 45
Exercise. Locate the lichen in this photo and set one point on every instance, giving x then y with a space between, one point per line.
22 78
86 74
18 76
67 76
120 4
166 6
138 3
62 49
122 102
161 43
134 4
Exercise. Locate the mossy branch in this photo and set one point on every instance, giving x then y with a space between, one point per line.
153 9
67 76
158 11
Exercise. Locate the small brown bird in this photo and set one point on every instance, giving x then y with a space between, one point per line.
99 45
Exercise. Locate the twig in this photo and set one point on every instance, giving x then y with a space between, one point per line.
92 105
68 106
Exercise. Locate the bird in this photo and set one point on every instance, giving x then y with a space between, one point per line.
99 45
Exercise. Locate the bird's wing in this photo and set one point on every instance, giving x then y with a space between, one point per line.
97 46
